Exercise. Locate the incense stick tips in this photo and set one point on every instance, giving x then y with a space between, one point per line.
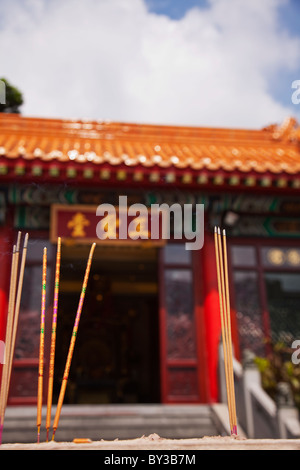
92 249
25 241
18 241
219 231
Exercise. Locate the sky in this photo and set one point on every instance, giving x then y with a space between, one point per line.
207 63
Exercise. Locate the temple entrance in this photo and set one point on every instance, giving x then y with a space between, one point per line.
116 356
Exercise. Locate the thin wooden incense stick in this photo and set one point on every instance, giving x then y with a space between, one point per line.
230 353
10 310
222 315
12 291
16 309
226 346
12 295
10 314
8 335
42 348
72 342
223 287
18 300
53 338
9 347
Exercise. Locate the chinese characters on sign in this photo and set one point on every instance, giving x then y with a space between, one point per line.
79 224
134 223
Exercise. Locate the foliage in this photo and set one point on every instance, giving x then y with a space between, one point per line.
13 99
278 367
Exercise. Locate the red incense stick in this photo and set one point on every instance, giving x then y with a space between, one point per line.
42 347
53 338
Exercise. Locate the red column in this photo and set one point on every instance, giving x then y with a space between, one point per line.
5 265
212 313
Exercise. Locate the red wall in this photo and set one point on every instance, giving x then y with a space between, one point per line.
5 265
212 314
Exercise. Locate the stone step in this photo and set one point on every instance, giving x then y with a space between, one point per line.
112 422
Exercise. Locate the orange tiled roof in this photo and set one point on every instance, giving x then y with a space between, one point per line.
273 150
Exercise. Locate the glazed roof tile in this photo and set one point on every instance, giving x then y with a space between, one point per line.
274 149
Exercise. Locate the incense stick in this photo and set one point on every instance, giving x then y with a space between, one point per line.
221 302
53 338
12 293
42 347
14 308
18 299
225 322
72 343
230 365
223 287
12 298
8 334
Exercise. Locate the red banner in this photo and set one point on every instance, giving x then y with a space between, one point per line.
82 224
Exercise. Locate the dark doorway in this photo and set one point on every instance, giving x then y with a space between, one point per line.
116 356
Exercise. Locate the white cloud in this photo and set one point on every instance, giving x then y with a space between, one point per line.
112 59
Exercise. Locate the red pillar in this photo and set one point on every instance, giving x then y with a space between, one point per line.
212 314
5 265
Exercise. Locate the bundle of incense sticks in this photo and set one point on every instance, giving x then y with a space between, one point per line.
14 299
53 337
72 342
42 342
223 287
15 291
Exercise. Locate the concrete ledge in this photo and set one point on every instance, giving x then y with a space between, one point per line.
155 442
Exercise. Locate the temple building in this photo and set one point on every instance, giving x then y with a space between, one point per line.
150 325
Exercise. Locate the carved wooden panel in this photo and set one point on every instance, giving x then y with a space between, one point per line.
181 342
183 382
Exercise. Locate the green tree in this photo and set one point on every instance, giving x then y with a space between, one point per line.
277 367
13 98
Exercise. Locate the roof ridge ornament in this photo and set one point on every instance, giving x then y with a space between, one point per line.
289 130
